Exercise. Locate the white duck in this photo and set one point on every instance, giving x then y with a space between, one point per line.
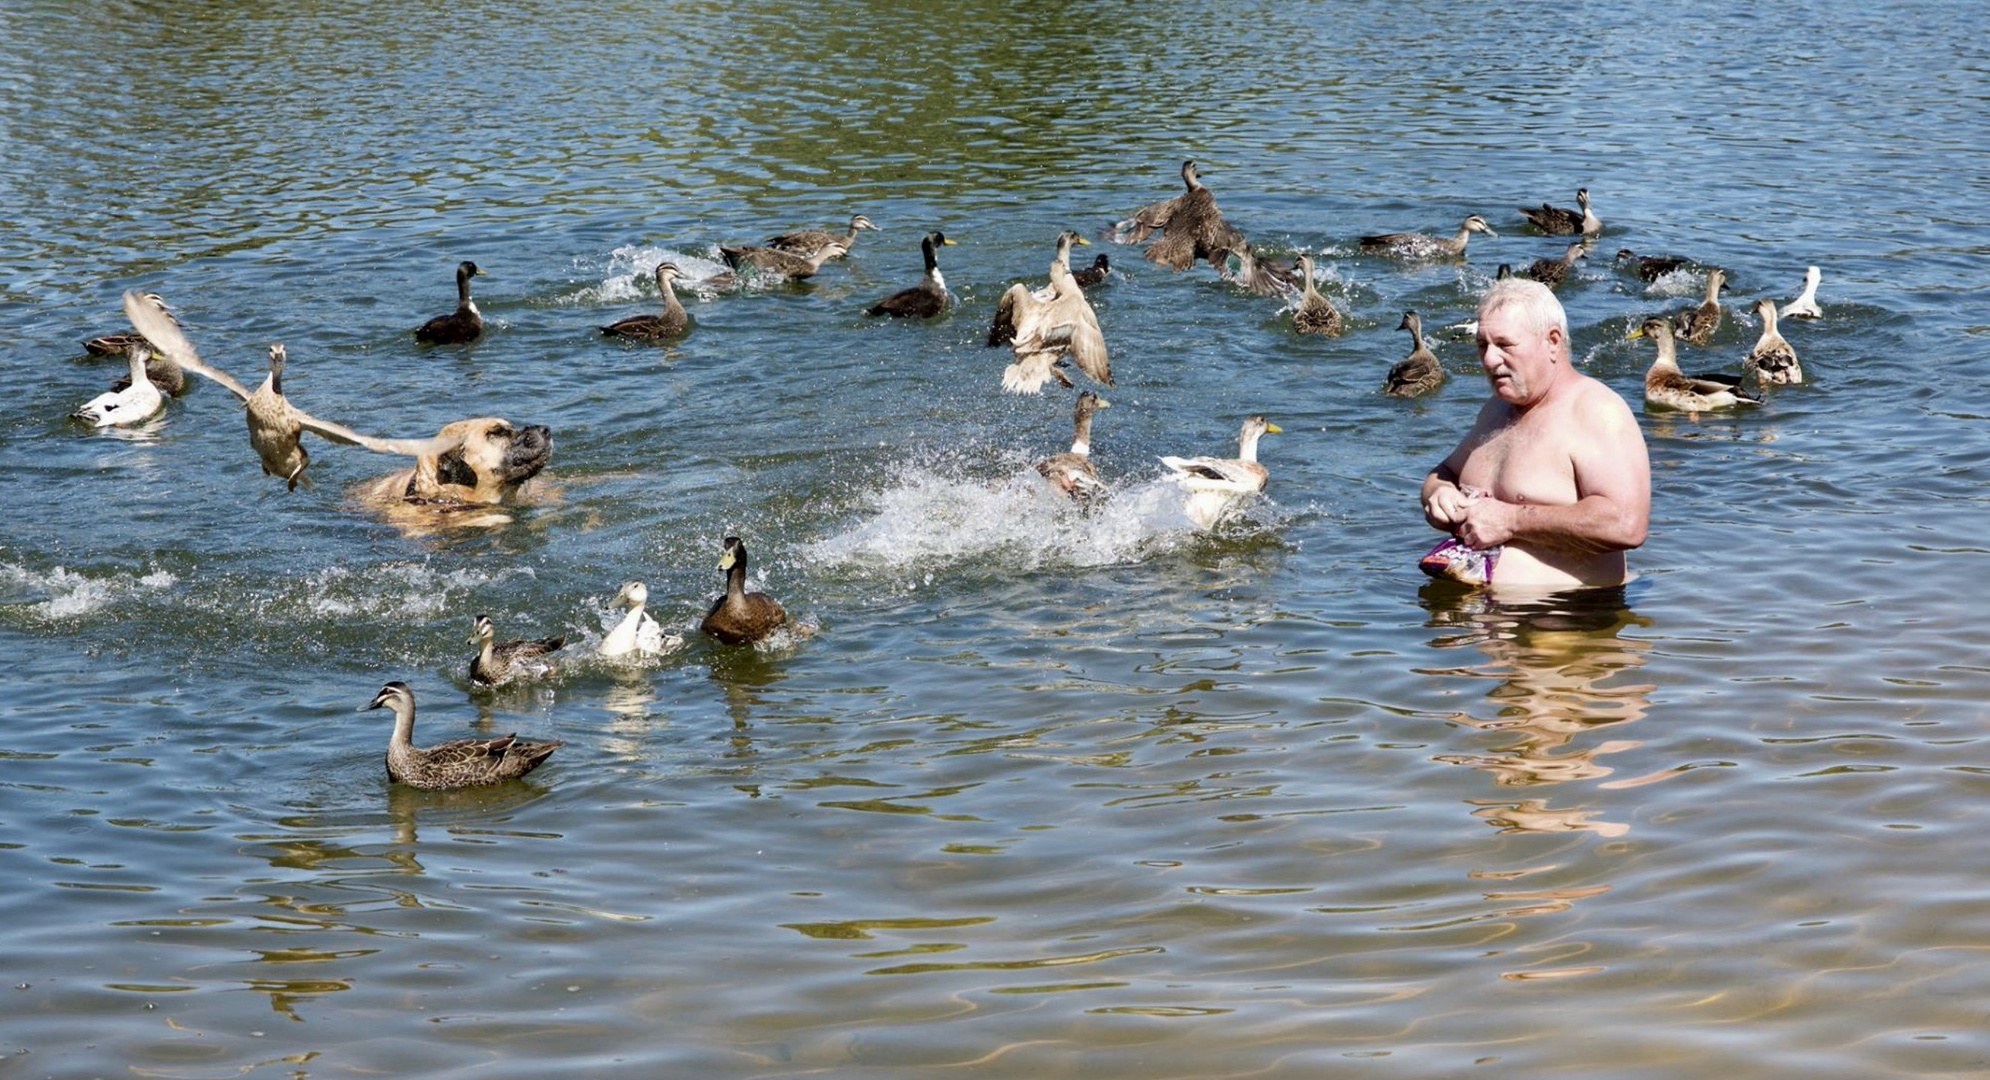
139 401
1805 305
637 634
1217 484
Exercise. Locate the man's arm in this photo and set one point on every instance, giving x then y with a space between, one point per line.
1443 502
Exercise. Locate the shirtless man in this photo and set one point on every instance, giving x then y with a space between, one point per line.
1554 472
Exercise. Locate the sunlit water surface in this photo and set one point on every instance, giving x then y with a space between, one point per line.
1046 793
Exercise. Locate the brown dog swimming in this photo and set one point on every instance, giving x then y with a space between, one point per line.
489 462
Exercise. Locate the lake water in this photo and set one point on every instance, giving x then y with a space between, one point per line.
1047 793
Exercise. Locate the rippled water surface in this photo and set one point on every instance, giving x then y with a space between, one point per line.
1045 793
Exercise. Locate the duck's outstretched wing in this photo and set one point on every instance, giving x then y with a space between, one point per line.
339 433
167 337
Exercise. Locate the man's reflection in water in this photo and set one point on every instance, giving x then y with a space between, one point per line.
1561 670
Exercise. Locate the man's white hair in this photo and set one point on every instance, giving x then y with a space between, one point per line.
1539 309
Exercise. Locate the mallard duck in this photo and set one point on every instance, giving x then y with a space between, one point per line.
460 764
773 264
1002 328
1666 387
1773 362
275 425
1412 245
1419 372
500 662
135 399
1561 221
1805 305
1241 265
807 242
1315 314
464 324
1552 272
740 617
1649 267
1044 329
672 322
637 634
1190 225
1697 324
1216 484
926 299
1073 471
1095 274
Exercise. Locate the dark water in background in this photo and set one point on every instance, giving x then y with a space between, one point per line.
1048 794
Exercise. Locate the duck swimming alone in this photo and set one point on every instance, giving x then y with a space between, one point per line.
461 326
1649 267
460 764
1805 305
1561 221
926 299
637 634
134 400
1413 245
1552 272
498 663
671 323
1667 387
1073 471
1315 314
740 617
809 242
1697 324
1215 485
1419 372
1773 361
1190 224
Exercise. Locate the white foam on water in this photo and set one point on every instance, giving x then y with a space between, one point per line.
398 592
632 268
67 594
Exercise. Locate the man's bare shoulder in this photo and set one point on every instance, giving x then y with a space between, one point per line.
1594 402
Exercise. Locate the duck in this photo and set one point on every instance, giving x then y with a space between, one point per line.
1772 362
1666 387
1561 221
1697 324
774 264
459 764
1552 272
461 326
1190 224
1002 327
132 401
1315 314
1215 485
1805 305
671 323
1096 274
169 377
1419 372
807 242
1241 265
1044 329
498 663
1414 245
637 634
926 299
1073 471
740 617
113 344
1649 267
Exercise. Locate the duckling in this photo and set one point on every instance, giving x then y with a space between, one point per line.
1418 372
807 242
1073 471
673 321
1649 267
1697 324
461 326
1552 272
1190 225
1805 305
637 634
498 663
926 299
1561 221
1773 362
1241 265
1215 485
1095 274
1666 387
1411 245
740 617
136 398
460 764
773 264
1315 313
1044 330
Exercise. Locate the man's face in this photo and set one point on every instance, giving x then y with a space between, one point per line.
1519 361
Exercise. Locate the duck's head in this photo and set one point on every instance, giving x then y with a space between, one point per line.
859 221
1655 328
1101 262
277 357
1575 251
1411 321
1505 271
1189 175
1090 402
467 269
1305 268
1069 237
632 594
482 630
939 239
1716 280
394 695
734 555
1765 309
1477 224
1582 197
666 272
1258 425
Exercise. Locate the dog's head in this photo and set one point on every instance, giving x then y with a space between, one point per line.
490 461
